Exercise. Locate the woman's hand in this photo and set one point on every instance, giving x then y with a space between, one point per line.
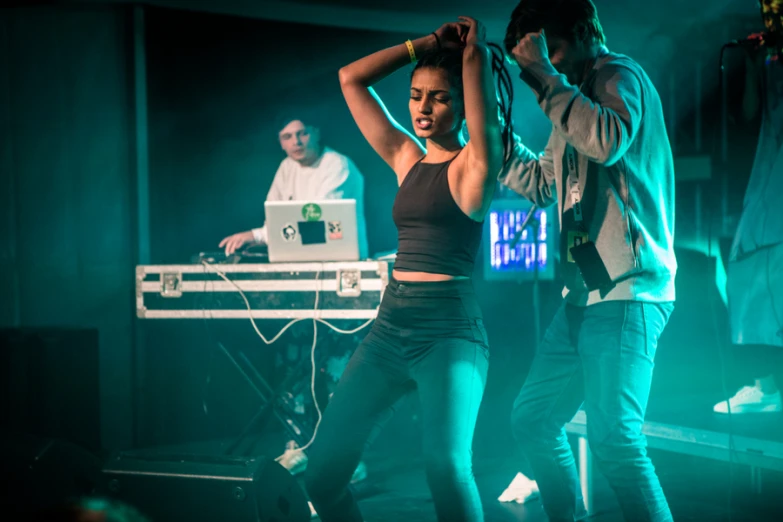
476 32
452 35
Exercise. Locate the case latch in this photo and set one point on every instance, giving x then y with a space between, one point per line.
171 284
349 282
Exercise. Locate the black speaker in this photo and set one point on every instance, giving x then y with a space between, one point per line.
195 488
39 473
49 384
689 363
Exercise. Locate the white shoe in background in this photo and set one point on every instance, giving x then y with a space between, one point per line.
521 490
751 399
360 473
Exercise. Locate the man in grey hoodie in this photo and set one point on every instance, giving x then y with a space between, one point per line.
608 165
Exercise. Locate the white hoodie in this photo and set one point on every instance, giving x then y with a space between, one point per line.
624 169
332 176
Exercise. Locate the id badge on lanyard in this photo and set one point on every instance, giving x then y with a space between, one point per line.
579 235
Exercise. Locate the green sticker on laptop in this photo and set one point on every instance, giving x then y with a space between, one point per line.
311 212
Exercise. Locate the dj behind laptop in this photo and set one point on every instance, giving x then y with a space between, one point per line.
312 270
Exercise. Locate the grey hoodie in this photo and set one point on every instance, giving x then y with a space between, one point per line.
624 169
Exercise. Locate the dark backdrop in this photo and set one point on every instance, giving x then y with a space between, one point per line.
215 84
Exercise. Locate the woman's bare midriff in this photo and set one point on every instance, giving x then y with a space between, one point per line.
423 276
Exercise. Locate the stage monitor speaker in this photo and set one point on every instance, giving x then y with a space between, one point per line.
198 488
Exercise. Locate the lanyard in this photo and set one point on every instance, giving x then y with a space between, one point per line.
573 184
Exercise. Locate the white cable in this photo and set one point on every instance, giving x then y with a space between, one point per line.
312 366
250 309
348 332
316 320
275 338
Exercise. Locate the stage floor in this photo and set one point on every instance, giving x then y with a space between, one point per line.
697 488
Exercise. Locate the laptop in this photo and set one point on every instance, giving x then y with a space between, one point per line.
312 230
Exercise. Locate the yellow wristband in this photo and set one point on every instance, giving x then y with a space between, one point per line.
411 52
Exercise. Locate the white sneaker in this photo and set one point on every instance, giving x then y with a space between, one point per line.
313 514
521 490
294 460
751 399
360 473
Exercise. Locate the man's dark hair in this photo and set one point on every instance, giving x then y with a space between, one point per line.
281 122
572 20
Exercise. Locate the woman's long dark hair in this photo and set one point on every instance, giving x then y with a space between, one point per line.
450 60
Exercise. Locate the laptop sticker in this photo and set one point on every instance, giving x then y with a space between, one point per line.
311 212
288 232
335 230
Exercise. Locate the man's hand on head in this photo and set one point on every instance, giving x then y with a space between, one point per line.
531 49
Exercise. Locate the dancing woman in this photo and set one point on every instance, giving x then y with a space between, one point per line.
429 330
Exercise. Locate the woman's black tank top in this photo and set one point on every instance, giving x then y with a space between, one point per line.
434 235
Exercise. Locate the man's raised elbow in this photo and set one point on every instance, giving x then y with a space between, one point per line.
608 156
